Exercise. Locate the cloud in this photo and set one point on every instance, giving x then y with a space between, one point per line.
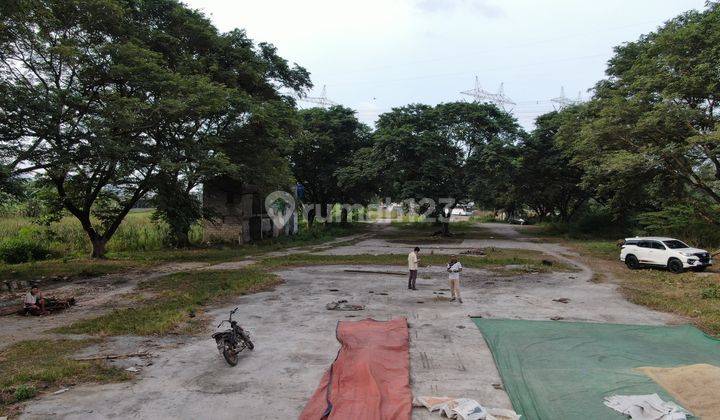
484 7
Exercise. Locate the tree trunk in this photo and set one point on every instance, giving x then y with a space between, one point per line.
344 216
98 247
324 211
446 228
182 238
311 217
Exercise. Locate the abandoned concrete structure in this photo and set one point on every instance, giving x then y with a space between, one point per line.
237 213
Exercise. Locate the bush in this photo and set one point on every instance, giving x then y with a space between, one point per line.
712 292
24 392
16 250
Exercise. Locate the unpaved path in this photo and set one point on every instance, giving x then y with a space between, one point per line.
295 339
99 295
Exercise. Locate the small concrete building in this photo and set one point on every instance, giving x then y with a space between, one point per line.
237 213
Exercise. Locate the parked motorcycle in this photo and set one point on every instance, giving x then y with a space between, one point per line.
232 341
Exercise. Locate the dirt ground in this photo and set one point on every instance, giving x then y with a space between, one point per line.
295 339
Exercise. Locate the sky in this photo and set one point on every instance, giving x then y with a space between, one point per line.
373 55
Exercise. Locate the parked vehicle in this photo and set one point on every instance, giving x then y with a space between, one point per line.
232 341
674 254
460 211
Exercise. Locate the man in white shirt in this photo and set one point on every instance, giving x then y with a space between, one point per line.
35 302
454 268
413 261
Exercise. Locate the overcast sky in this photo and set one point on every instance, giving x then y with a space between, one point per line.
377 54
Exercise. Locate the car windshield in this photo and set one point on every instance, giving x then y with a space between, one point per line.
675 244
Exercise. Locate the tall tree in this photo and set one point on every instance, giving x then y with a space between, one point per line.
322 149
547 180
442 152
652 125
101 98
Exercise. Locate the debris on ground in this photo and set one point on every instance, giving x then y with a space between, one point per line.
557 318
343 305
52 304
497 386
132 369
394 273
694 386
113 356
463 408
646 407
562 300
474 251
547 262
61 391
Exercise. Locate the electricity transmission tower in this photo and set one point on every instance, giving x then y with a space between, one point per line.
562 101
321 100
482 95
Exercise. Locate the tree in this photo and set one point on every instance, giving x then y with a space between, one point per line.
547 180
322 149
440 152
108 98
651 131
243 135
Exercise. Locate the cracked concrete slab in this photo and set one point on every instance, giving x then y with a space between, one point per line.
295 343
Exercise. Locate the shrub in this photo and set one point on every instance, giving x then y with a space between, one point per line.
24 392
16 250
712 292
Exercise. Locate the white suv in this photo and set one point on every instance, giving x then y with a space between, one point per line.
666 252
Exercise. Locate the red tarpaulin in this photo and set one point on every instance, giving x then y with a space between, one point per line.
370 377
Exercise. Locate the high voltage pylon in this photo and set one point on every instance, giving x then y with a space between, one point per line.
563 101
482 95
321 100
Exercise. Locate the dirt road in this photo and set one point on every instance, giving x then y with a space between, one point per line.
294 335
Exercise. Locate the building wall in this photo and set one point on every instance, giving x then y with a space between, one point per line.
232 209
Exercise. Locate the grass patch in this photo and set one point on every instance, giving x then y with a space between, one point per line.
122 261
30 366
73 268
175 298
495 257
425 233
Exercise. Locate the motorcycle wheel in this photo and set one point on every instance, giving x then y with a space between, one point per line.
247 341
230 355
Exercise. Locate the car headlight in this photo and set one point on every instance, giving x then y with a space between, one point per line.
687 254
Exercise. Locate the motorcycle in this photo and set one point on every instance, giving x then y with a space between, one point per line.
232 341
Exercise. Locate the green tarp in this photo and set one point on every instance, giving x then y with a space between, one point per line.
563 370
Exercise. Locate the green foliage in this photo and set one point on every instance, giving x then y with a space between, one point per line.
683 222
711 292
20 250
458 150
24 392
323 154
547 180
122 92
649 137
594 221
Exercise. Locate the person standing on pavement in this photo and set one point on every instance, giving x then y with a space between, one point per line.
454 268
413 261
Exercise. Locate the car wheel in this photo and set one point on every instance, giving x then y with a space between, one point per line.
675 266
699 269
632 262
